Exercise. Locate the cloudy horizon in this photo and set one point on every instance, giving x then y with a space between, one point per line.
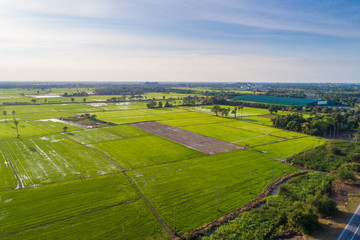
157 40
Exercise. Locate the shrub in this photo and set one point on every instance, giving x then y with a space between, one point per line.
326 207
345 173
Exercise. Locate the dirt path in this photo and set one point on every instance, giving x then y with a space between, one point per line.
68 218
165 226
20 184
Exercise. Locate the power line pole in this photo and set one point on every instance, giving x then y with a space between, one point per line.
283 167
218 197
174 217
250 181
313 144
272 174
294 150
123 231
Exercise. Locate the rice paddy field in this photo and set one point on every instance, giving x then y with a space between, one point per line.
118 181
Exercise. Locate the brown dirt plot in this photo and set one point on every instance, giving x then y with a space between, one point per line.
193 140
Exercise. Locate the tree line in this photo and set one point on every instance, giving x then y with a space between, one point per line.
324 125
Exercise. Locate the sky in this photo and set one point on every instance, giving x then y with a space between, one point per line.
180 40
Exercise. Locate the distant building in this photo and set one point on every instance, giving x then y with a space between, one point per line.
283 100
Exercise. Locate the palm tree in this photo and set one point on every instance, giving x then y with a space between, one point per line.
13 113
4 112
17 130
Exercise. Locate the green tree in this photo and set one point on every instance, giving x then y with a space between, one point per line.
160 105
234 112
151 104
65 129
33 100
72 99
167 104
216 109
84 99
273 109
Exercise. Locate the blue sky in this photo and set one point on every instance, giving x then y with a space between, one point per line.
167 40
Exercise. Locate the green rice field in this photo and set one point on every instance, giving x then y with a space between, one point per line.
192 185
98 183
51 158
144 151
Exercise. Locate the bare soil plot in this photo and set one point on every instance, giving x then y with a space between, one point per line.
193 140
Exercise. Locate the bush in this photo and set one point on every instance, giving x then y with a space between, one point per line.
326 207
303 218
345 173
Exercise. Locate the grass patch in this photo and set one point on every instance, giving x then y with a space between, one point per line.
291 147
133 119
8 130
106 224
55 127
7 179
258 140
106 134
193 121
251 126
257 119
221 132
